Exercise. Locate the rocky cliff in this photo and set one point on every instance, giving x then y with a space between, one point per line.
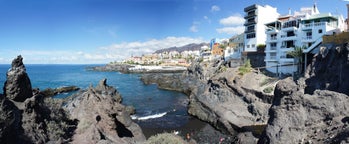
91 116
220 96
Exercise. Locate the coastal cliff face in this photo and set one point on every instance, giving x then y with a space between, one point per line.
227 100
220 96
92 116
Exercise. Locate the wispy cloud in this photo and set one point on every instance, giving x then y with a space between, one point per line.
232 25
194 28
215 8
207 19
236 19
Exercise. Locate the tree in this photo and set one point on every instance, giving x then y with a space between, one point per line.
297 54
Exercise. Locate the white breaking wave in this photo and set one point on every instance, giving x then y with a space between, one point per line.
149 117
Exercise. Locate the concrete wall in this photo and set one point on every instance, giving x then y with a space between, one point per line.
256 58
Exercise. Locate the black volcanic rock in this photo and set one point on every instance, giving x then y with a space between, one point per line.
102 118
296 117
329 69
17 86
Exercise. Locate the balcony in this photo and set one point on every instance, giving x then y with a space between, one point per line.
249 8
318 25
289 37
271 31
272 39
250 14
307 39
250 31
250 22
270 58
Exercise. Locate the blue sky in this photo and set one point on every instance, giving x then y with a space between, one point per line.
100 31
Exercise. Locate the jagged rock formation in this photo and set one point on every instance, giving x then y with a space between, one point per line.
102 118
296 117
17 86
26 117
94 116
329 69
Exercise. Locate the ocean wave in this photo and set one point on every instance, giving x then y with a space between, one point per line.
149 116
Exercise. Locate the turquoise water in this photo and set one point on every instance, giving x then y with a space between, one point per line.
157 108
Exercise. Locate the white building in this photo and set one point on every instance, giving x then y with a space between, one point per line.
235 47
303 29
256 17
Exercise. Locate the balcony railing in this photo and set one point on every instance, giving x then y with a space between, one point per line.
319 24
307 38
272 48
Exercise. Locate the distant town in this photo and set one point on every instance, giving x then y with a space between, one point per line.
270 41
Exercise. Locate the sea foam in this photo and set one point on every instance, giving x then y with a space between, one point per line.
149 116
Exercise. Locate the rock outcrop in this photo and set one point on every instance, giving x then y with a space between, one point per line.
17 86
296 117
102 118
26 116
94 115
219 95
329 69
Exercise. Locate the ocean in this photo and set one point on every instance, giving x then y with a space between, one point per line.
155 108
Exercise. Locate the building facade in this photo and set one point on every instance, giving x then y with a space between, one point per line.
235 47
303 29
256 17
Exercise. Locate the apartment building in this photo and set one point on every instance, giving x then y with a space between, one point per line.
256 17
302 29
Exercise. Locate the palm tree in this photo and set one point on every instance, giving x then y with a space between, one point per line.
297 54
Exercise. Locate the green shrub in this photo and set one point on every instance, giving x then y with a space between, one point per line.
222 68
165 138
246 68
268 90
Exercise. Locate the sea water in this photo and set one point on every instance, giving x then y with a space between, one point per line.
155 108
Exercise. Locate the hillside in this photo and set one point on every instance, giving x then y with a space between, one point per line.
187 47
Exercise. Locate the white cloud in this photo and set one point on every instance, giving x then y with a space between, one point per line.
231 30
194 28
207 19
232 20
215 8
106 54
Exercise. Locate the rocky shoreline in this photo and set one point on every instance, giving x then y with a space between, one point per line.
305 111
127 68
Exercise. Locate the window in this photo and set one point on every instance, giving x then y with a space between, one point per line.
251 35
320 31
272 44
248 46
253 45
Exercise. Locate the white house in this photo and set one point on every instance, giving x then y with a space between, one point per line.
235 47
256 17
304 28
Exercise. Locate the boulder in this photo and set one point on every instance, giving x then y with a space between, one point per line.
296 117
17 86
102 118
